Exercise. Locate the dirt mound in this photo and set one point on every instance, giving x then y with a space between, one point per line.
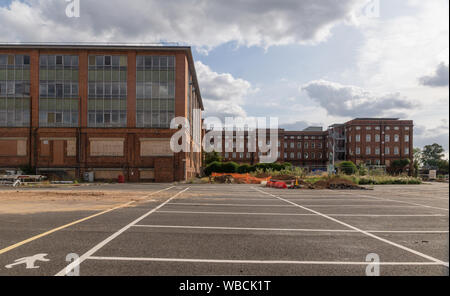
336 183
226 179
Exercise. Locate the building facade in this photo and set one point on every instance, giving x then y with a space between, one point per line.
73 109
370 141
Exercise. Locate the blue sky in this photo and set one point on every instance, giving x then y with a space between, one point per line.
304 61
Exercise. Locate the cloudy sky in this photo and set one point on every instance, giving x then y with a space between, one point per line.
307 62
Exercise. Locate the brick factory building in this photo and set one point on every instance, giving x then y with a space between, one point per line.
372 141
71 109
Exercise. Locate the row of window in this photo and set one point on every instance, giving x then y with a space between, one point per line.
58 90
14 60
306 145
291 155
303 137
155 91
14 74
377 128
49 61
107 90
387 138
14 90
387 151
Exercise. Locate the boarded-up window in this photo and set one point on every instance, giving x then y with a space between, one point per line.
22 147
13 147
45 148
107 175
155 147
147 174
8 147
71 148
106 147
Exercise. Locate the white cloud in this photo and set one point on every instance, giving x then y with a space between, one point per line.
438 79
203 23
398 50
352 101
222 93
424 135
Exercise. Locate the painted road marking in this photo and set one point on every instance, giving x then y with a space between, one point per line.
287 229
100 245
257 261
222 204
298 214
362 231
29 261
4 250
405 202
282 206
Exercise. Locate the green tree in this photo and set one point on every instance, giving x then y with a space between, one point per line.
431 155
443 166
212 157
347 167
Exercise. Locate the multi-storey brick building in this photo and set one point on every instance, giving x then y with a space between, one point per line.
100 108
372 141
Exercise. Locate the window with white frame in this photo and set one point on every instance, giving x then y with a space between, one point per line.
396 151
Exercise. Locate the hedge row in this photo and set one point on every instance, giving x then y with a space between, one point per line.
232 167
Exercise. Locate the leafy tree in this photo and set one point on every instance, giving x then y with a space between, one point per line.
399 165
417 163
211 157
443 166
347 167
431 155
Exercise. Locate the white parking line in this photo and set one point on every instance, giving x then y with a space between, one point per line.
297 214
258 261
405 202
282 206
360 230
286 229
83 257
222 204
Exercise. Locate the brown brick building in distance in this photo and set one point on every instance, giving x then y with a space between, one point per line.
106 109
372 141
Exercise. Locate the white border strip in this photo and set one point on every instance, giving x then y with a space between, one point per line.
362 231
97 247
258 261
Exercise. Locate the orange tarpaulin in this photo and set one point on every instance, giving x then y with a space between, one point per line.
245 178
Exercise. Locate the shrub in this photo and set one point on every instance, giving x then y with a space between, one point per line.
243 169
213 167
347 167
229 167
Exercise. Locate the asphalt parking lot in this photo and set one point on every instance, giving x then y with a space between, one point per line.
239 230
